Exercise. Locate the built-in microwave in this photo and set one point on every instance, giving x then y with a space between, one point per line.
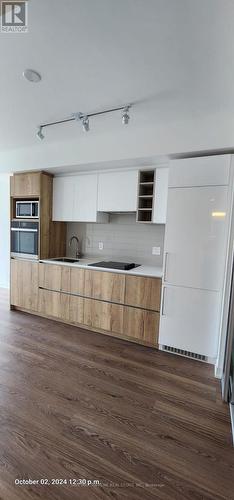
27 209
24 239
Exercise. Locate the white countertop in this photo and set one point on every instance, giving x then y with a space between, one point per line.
144 270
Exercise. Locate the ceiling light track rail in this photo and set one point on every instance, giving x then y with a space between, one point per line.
84 119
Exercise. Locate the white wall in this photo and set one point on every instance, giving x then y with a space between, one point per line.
4 230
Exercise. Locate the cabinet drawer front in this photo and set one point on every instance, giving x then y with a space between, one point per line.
141 325
105 286
50 276
77 281
76 310
54 304
53 277
102 315
143 292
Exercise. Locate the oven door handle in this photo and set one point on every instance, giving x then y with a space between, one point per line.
24 230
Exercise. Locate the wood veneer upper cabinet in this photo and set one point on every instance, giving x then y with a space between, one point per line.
141 325
103 315
143 292
105 286
28 184
24 284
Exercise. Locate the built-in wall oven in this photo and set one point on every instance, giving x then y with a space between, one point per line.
24 239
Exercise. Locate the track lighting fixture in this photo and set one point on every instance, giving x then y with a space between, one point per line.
125 116
40 134
84 119
85 123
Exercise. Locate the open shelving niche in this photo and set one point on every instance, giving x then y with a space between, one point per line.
146 185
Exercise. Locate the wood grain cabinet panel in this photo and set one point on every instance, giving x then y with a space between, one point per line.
141 325
54 304
50 276
77 281
76 310
23 185
24 284
103 315
143 292
104 286
55 277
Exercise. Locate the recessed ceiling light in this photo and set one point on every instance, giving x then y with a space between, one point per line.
32 76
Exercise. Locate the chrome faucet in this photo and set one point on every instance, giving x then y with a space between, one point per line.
78 254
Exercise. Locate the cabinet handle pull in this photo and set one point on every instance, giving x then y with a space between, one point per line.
165 267
163 301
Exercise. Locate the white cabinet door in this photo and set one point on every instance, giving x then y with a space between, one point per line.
85 198
190 319
196 237
63 199
117 191
160 196
202 171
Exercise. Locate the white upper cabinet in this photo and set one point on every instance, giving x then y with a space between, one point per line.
117 191
85 198
160 196
75 199
201 171
63 198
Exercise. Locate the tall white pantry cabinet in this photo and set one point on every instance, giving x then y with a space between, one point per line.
195 250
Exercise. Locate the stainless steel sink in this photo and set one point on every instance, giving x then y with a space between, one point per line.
65 259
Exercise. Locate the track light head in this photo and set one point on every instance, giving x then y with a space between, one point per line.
40 134
125 116
77 116
85 123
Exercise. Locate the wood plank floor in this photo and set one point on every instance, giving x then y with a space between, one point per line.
75 404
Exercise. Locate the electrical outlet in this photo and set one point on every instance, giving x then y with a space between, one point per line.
156 250
100 245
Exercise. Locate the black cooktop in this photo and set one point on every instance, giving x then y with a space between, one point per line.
124 266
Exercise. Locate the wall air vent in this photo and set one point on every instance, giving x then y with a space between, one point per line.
187 354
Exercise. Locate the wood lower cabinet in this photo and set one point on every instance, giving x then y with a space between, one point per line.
104 286
77 281
54 304
50 276
103 315
61 278
24 284
141 325
110 302
143 292
76 310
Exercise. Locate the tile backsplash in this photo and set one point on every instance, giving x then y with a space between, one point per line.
123 238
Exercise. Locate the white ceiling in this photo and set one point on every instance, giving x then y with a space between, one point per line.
173 58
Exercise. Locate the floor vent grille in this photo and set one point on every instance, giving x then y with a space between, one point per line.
188 354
